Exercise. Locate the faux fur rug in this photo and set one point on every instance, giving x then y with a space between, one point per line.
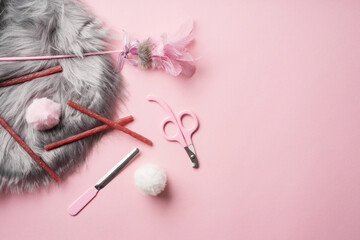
51 27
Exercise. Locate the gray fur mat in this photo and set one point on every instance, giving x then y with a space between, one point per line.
51 27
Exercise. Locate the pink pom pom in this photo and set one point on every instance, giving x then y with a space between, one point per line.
43 114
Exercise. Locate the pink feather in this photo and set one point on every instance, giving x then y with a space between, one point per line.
171 54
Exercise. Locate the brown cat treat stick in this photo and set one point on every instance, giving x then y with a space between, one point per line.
29 151
89 132
31 76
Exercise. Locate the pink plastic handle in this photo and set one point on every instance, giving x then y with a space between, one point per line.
82 201
187 133
170 119
182 135
178 137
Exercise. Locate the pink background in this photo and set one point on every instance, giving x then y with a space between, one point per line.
277 95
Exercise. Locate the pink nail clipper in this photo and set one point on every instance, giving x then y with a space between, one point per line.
182 135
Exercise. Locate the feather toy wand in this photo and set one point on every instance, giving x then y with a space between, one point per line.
168 53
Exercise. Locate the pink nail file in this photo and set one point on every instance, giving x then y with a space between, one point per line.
91 193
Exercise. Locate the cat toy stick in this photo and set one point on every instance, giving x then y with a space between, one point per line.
168 53
31 76
29 151
89 132
109 122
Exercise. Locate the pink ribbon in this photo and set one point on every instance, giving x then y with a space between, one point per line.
130 47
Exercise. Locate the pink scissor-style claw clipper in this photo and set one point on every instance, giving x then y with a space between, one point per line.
182 135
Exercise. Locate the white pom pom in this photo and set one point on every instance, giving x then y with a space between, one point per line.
43 114
150 179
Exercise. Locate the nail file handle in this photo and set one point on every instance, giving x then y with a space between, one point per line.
82 201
